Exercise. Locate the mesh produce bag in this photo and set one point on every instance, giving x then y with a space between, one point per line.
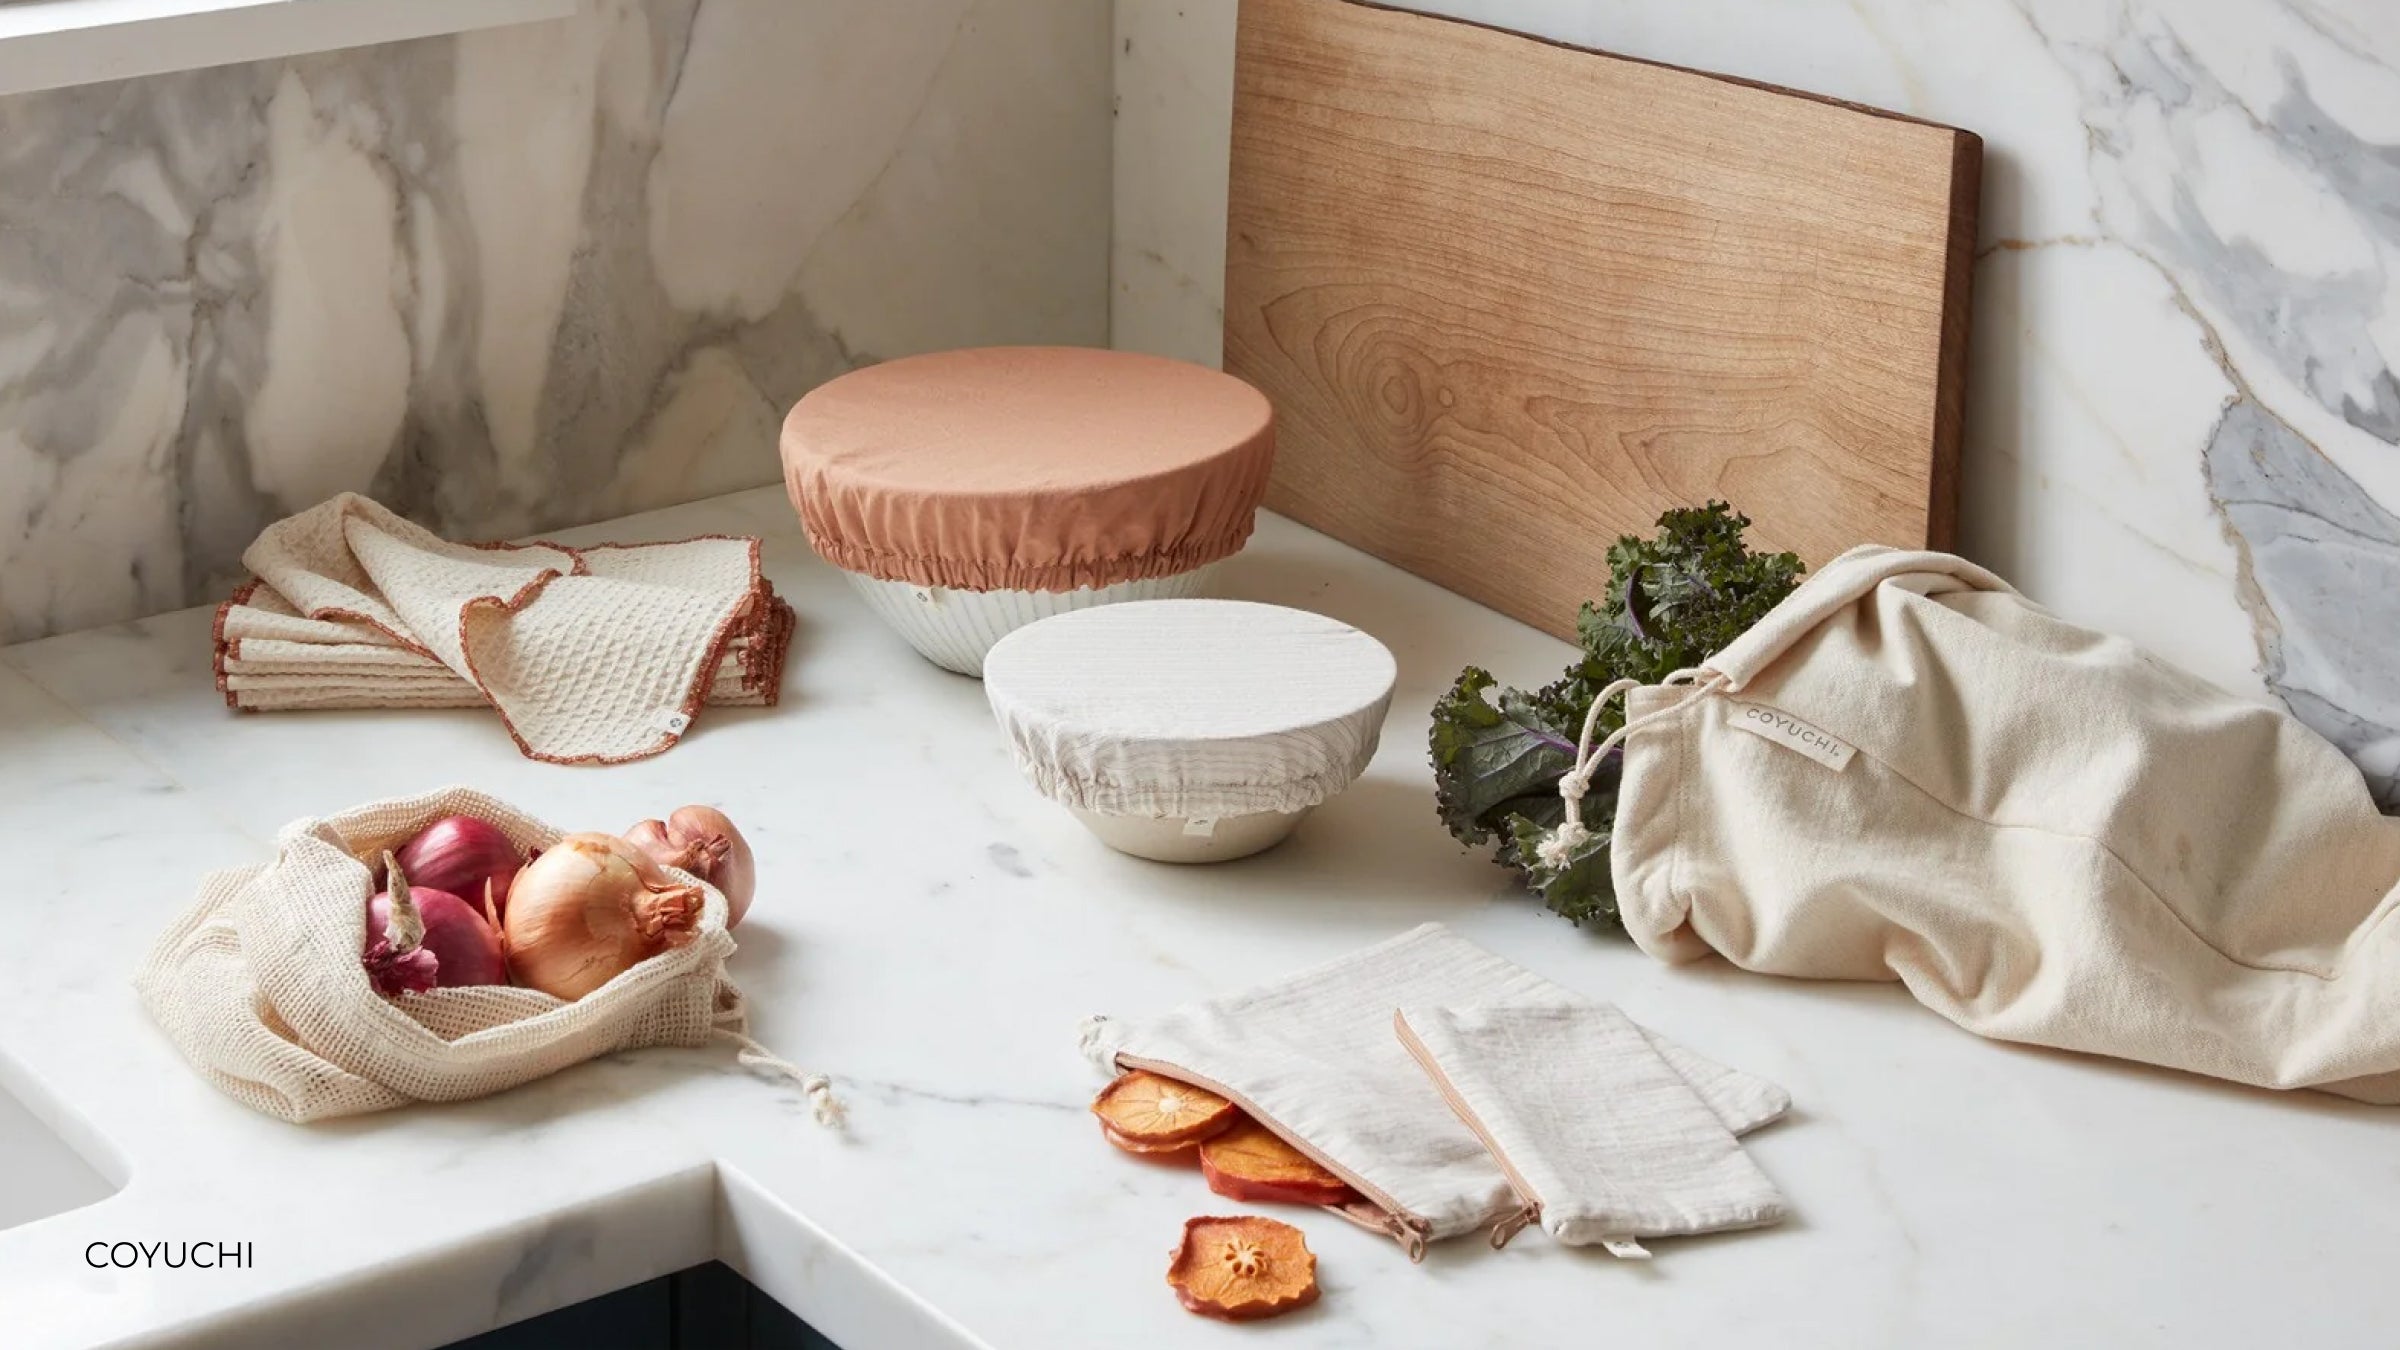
1907 771
260 984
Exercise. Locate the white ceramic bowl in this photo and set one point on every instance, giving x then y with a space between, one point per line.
955 629
1181 839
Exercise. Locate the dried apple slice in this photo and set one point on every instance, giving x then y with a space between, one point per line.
1241 1269
1156 1112
1250 1162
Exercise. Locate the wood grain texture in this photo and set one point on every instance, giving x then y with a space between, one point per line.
1512 299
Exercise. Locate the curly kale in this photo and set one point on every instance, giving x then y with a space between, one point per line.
1673 600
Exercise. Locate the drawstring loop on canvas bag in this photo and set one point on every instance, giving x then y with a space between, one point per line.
1559 849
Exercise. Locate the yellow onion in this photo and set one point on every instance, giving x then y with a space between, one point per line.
588 909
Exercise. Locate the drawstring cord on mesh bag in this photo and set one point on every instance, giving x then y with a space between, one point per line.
817 1087
1559 849
732 1027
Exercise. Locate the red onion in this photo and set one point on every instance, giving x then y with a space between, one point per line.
459 854
420 938
701 841
395 970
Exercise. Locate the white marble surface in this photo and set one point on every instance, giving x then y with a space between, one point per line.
513 279
930 932
2184 424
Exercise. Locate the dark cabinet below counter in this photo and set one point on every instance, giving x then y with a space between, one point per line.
704 1308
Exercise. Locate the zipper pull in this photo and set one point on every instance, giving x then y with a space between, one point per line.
1410 1233
1511 1225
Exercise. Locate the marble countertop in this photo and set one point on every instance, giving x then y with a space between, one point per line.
930 932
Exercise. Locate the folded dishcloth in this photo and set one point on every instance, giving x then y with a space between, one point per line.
272 659
601 654
1603 1140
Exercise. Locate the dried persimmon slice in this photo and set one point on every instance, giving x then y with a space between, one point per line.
1130 1145
1242 1268
1252 1163
1146 1108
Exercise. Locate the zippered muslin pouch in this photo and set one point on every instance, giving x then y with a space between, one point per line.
1313 1058
1600 1138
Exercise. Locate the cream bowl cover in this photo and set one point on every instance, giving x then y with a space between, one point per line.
1201 709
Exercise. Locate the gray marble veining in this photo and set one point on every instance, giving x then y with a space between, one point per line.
514 279
2323 577
2292 318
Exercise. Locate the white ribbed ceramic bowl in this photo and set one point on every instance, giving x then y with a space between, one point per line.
1181 839
954 629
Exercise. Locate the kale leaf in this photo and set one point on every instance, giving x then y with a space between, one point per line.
1673 601
1492 763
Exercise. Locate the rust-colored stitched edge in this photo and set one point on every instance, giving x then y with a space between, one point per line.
219 647
694 697
769 627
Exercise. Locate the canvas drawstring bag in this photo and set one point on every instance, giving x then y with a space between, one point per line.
1314 1058
1907 771
260 985
1602 1141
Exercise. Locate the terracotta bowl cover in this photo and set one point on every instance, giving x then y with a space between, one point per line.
1028 468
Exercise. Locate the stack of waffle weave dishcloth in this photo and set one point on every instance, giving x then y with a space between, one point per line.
589 655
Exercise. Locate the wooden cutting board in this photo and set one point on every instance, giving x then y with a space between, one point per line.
1512 299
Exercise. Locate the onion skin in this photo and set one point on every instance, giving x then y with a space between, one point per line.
651 837
591 907
643 865
735 870
458 854
703 842
394 972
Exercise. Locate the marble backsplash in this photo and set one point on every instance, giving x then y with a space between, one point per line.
2184 423
514 279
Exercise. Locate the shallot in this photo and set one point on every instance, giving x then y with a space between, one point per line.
459 854
590 908
420 938
703 842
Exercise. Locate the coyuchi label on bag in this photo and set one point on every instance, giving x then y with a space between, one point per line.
1791 733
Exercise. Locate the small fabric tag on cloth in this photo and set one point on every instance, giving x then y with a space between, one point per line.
1791 733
